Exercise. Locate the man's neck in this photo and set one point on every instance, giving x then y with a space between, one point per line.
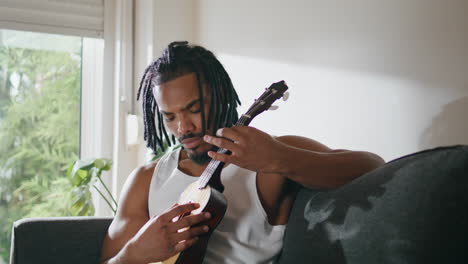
187 166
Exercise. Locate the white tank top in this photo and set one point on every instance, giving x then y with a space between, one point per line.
244 234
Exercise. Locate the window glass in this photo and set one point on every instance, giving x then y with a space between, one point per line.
40 84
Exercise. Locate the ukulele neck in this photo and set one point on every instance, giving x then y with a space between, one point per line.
211 175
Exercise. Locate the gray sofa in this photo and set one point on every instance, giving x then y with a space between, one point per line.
412 210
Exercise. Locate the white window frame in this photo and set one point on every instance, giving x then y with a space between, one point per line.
110 75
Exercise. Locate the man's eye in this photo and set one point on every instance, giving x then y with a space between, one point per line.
195 110
168 118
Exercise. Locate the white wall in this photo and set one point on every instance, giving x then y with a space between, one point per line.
385 76
174 20
159 22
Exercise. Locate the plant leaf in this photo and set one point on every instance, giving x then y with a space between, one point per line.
79 174
103 164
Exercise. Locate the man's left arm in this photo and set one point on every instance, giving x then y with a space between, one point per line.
300 159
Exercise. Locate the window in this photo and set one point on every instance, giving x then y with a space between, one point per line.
40 103
97 106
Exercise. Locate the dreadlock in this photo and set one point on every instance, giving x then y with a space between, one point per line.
178 59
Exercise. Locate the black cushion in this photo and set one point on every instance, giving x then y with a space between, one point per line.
58 240
411 210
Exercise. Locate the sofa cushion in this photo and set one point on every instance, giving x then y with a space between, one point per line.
58 240
411 210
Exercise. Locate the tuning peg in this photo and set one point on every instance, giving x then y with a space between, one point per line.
285 96
273 107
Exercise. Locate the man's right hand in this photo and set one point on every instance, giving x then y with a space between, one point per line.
162 237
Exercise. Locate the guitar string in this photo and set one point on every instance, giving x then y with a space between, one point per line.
212 166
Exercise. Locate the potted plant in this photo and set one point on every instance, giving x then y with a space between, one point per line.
84 175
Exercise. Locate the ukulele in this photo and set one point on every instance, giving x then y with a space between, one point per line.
207 190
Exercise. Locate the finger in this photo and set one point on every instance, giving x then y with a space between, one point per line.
179 247
221 157
172 206
189 221
190 233
178 210
222 143
168 209
231 133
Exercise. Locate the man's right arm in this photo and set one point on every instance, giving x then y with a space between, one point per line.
135 238
131 215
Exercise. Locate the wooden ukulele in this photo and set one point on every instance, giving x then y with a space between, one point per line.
207 190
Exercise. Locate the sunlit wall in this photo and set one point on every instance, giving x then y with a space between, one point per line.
386 76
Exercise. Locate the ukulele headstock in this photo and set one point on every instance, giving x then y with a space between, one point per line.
265 101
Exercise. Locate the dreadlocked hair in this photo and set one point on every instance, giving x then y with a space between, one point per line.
178 59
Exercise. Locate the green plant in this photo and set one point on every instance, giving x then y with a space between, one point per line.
39 132
84 175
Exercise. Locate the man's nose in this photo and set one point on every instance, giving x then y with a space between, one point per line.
185 125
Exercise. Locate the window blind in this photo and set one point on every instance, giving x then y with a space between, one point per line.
70 17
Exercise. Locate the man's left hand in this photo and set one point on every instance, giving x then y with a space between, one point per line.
250 148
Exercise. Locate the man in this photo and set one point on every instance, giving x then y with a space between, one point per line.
188 92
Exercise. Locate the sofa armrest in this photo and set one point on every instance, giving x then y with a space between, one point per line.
58 240
411 210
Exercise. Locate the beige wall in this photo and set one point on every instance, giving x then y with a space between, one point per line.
386 76
174 20
159 22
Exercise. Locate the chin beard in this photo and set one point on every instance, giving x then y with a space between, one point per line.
201 158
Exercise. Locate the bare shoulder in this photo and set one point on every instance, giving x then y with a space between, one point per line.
140 177
303 142
134 196
132 212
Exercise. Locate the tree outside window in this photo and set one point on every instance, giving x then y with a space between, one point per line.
40 83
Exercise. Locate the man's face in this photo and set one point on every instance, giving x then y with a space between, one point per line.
180 106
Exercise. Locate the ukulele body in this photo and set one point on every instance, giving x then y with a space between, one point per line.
210 200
